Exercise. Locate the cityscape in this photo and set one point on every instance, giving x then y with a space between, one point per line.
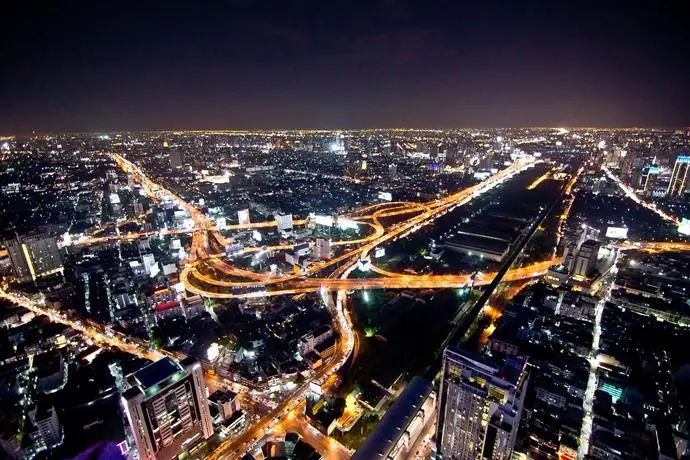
502 293
380 230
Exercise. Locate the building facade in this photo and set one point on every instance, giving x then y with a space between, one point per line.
167 408
679 177
480 404
34 256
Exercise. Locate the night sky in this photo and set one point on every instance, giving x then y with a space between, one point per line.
88 66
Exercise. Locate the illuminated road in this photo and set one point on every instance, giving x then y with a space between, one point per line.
654 246
210 285
630 193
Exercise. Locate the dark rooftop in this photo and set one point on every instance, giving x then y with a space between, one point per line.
155 372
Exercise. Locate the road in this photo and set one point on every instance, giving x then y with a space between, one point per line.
630 193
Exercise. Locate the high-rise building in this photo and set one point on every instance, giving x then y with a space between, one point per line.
393 171
480 404
243 216
322 249
649 178
167 408
34 256
679 178
586 258
284 222
48 432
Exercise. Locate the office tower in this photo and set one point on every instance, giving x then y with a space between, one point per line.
649 178
48 432
34 256
243 216
480 403
167 408
322 249
393 171
586 258
679 178
284 222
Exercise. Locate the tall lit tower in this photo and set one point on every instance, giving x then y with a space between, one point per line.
679 178
167 408
479 407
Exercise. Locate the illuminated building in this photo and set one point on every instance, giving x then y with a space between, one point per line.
679 178
586 258
243 216
480 404
649 179
34 256
167 408
48 432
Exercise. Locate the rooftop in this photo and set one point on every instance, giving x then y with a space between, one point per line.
156 372
386 434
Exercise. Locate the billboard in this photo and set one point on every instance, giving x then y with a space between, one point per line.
256 235
380 252
386 196
620 233
326 221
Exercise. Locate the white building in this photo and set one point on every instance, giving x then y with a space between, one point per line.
308 341
149 261
167 408
243 216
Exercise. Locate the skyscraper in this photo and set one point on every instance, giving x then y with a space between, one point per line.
649 179
167 408
679 178
586 258
34 256
480 403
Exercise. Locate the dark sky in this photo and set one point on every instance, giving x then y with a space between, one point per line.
98 65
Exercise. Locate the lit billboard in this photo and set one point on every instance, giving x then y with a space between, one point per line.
386 196
619 233
326 221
